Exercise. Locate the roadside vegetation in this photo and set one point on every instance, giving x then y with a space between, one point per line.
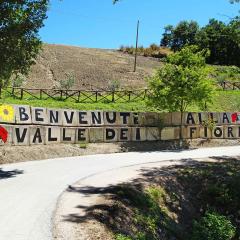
194 201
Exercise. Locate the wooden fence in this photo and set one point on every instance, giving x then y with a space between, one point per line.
229 85
79 96
90 96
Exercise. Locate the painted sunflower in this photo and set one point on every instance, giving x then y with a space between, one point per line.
6 113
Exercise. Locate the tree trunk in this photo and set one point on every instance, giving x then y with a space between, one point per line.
181 125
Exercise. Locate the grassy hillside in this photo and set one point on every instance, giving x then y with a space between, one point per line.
91 67
99 69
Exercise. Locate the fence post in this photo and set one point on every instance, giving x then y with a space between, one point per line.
13 91
145 94
21 93
40 94
224 85
78 96
61 94
96 96
113 97
129 96
0 92
233 86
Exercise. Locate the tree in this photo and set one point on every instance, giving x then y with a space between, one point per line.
223 41
182 81
183 34
20 22
167 40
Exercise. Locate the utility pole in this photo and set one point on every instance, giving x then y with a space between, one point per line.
135 62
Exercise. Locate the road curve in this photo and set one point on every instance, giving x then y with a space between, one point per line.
29 191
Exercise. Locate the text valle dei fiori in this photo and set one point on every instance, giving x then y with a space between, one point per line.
24 125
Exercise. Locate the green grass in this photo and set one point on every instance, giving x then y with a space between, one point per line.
223 101
122 237
139 105
104 104
150 212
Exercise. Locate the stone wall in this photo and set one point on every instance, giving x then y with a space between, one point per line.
24 125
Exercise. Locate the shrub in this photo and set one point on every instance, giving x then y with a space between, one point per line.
122 237
213 227
154 47
114 85
68 82
18 80
153 51
227 73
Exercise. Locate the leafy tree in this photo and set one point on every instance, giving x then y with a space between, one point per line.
167 39
183 34
223 41
20 22
182 81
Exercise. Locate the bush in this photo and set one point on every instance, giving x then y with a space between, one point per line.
68 82
153 51
213 227
114 85
154 47
18 80
122 237
227 73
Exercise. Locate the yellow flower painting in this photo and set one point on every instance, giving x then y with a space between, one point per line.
6 113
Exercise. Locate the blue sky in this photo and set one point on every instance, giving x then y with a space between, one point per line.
100 24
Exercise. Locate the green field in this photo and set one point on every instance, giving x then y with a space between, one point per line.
223 101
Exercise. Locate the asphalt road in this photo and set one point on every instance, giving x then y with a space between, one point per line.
29 191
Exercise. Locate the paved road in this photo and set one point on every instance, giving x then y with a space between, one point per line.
29 191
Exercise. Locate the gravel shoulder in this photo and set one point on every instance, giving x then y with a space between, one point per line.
42 152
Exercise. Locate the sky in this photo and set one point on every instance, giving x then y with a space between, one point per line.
100 24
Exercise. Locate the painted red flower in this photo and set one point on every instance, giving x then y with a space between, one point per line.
234 117
3 134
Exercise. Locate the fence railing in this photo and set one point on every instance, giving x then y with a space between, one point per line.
90 96
79 96
229 85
